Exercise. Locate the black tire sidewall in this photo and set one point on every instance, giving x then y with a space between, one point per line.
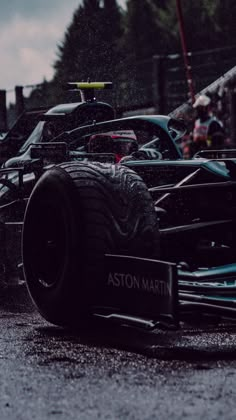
55 189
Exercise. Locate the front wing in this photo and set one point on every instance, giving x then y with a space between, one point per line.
151 293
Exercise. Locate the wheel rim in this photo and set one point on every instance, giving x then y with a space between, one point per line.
48 256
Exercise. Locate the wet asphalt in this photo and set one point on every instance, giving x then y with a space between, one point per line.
107 372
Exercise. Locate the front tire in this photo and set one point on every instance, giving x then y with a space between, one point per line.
76 214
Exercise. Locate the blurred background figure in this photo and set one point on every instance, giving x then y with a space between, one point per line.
208 130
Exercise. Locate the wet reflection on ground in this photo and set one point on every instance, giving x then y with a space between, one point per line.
190 343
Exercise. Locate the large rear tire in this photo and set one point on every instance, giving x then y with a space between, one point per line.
76 214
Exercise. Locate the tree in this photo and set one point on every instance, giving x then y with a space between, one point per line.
224 19
141 36
90 47
104 42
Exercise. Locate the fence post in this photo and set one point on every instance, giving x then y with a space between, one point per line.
3 111
20 105
159 84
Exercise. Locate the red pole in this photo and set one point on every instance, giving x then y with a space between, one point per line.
184 48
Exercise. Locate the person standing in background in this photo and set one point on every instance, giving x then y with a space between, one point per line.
208 130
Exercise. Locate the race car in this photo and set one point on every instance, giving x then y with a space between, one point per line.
147 239
44 123
15 137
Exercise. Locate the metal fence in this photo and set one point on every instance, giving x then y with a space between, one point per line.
158 83
161 80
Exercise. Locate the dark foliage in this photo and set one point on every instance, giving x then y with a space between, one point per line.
106 43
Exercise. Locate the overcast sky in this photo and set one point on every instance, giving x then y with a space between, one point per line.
30 31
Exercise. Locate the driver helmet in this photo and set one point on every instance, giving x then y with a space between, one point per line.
124 146
118 145
100 143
